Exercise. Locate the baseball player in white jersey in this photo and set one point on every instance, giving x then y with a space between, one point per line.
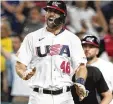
52 54
91 48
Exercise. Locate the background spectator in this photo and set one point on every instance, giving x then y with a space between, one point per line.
107 41
19 88
107 10
6 43
33 22
13 10
21 17
84 18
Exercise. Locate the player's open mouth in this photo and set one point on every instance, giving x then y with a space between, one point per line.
51 19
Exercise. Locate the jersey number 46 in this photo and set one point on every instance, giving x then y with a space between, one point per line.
65 66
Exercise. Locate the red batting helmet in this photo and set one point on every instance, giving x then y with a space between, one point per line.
58 5
90 39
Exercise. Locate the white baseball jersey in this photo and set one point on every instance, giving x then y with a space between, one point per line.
55 57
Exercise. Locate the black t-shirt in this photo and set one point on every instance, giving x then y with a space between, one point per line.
94 81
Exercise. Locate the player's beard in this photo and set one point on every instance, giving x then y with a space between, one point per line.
90 58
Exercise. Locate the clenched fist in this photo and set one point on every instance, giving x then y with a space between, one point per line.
81 91
28 74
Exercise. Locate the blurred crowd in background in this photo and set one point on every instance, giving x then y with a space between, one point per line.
18 18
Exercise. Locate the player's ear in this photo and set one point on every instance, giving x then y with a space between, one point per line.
46 16
97 51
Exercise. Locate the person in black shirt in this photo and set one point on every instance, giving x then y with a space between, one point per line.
95 82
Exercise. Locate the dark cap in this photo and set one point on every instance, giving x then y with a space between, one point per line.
58 5
90 39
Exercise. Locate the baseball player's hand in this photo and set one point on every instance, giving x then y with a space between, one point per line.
29 73
81 91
